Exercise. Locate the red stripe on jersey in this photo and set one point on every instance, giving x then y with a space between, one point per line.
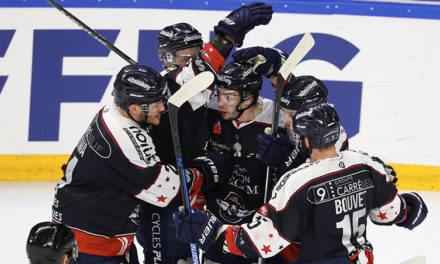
230 235
102 246
213 57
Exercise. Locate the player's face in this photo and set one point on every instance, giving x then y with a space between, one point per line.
227 103
183 56
154 111
288 117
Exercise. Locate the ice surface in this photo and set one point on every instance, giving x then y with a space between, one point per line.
23 204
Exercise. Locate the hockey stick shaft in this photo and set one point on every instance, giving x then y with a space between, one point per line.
302 48
92 32
191 88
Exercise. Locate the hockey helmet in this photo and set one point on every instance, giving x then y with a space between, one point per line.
49 242
319 123
303 91
240 77
141 85
176 37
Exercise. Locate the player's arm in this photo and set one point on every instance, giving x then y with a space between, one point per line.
407 210
256 239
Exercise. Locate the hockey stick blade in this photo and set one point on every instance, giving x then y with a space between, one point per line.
92 32
191 88
304 46
415 260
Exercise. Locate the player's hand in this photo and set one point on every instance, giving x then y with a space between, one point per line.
242 20
274 150
196 228
266 61
417 210
215 166
391 174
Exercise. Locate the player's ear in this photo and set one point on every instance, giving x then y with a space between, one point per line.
133 109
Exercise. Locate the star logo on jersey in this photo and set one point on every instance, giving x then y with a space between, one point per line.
382 215
271 235
266 249
160 185
161 198
217 129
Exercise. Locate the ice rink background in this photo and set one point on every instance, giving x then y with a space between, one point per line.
23 204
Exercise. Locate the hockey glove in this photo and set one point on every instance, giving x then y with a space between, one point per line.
266 61
391 174
417 213
196 228
274 150
194 181
216 168
242 20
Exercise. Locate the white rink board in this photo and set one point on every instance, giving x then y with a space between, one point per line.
398 63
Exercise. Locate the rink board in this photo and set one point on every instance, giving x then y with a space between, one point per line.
380 62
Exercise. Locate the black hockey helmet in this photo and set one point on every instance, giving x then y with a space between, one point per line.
303 91
240 77
49 242
319 123
176 37
141 85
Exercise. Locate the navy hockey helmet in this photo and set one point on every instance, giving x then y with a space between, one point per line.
141 85
176 37
303 91
240 77
49 242
319 123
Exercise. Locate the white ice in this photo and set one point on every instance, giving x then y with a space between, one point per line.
23 204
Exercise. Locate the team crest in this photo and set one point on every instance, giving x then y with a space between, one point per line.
231 208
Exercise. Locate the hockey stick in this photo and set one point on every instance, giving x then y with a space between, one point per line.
302 48
188 90
415 260
92 32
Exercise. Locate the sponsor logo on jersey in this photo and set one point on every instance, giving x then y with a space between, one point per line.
156 242
339 187
217 128
140 140
95 140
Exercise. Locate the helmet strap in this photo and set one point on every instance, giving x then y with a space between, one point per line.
141 124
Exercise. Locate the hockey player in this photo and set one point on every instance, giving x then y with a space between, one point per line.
298 92
114 166
51 243
182 52
236 115
323 204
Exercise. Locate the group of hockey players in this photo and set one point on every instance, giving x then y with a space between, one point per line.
121 180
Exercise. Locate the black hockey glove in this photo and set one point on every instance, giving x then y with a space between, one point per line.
392 176
196 228
216 168
266 61
242 20
274 150
417 213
